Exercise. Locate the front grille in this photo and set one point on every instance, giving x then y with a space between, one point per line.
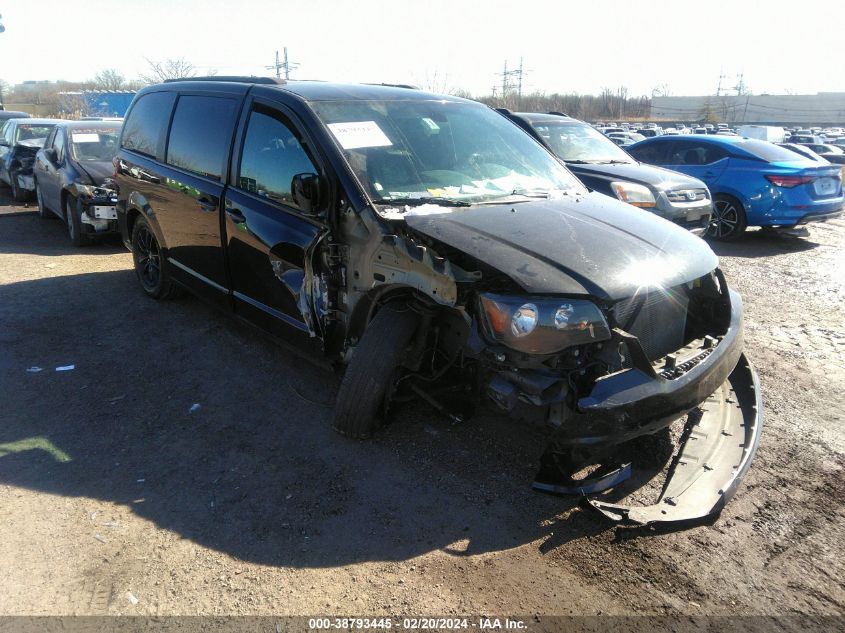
658 318
686 195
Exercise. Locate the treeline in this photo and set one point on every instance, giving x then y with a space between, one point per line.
608 105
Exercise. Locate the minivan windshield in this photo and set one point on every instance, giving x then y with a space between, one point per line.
579 143
451 150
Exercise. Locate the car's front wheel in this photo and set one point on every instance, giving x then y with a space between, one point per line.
371 375
150 267
74 223
43 212
728 221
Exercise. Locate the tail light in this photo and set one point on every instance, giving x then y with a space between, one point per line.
787 182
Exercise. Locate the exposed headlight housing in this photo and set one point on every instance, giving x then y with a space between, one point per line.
94 191
632 193
542 325
524 320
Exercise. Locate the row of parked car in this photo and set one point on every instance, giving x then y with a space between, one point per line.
713 184
436 249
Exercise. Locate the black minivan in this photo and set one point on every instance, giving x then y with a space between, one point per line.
436 251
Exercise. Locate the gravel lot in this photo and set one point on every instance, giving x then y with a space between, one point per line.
115 498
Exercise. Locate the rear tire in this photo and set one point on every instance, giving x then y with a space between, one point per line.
371 375
728 221
150 267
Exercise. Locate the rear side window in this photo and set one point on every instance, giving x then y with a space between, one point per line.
768 152
144 128
272 156
201 134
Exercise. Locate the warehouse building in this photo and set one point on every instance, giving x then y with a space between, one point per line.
823 109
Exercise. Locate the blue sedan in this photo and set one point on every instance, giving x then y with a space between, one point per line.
753 183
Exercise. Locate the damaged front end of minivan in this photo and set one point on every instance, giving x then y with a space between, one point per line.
468 267
599 358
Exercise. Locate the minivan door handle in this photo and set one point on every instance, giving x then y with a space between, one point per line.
236 215
208 203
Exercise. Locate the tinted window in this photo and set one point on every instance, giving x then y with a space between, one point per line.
651 153
767 151
691 153
146 123
272 156
201 134
59 145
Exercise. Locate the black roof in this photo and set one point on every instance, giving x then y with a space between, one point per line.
544 117
311 90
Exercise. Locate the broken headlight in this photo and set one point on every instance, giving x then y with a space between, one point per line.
93 191
542 325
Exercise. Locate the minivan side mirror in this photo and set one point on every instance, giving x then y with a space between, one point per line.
305 190
4 142
51 155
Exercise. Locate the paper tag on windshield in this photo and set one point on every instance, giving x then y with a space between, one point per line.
85 137
358 134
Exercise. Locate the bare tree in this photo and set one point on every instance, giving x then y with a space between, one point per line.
109 79
437 82
662 90
168 69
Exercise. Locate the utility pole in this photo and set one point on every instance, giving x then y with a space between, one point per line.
721 77
507 85
286 65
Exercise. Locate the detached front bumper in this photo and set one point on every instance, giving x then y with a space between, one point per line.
716 454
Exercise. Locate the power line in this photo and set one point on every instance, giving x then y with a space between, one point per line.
285 65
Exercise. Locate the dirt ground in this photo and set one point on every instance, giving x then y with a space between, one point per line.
119 495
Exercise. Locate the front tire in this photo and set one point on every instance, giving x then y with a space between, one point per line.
74 223
149 263
728 221
371 375
43 212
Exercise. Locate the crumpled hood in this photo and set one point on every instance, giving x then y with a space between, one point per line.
659 178
37 143
586 244
96 170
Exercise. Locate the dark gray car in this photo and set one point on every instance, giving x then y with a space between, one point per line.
604 167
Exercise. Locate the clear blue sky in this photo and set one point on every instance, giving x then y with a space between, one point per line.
567 46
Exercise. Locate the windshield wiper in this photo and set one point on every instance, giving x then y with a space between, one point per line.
416 202
597 162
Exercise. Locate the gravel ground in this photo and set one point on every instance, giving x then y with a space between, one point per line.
186 466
